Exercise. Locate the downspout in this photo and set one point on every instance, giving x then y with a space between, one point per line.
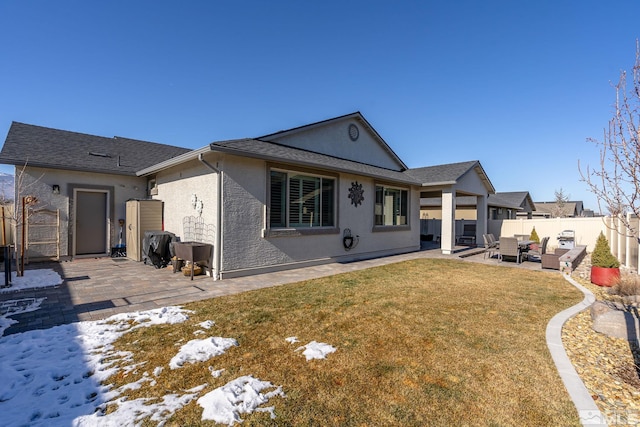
217 250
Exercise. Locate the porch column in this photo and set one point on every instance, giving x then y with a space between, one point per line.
481 219
448 233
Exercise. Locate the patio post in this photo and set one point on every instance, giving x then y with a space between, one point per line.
448 234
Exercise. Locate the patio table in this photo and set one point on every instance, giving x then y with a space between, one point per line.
523 247
523 244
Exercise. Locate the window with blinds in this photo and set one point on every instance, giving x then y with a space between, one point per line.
298 200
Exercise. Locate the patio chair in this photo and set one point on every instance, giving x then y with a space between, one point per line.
489 246
537 253
493 241
509 247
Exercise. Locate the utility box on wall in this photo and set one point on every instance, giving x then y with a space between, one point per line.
142 216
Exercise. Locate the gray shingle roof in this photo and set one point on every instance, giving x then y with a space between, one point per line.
282 153
59 149
510 199
438 174
568 210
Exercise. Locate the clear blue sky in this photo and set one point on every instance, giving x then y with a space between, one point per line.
516 85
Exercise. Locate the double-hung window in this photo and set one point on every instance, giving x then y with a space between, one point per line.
391 206
300 200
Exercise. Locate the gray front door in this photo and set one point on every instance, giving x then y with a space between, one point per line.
91 222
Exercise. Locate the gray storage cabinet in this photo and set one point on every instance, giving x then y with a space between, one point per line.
142 216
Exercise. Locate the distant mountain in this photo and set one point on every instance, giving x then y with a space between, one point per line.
7 186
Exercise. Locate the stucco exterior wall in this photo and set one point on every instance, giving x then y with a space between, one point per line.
176 188
247 246
39 182
335 141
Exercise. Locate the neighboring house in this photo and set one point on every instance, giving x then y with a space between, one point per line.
510 205
570 209
289 199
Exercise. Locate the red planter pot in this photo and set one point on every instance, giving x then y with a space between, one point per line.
603 276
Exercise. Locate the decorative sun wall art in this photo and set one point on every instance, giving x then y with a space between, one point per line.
356 194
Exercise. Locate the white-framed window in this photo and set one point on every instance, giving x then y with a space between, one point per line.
301 200
391 206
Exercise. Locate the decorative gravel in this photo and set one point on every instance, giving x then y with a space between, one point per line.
609 367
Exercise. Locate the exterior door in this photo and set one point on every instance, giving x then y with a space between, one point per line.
91 222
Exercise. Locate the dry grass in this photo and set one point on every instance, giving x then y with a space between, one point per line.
629 285
424 342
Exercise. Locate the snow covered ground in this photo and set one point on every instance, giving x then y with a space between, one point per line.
59 376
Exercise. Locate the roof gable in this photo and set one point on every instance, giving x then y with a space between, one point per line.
450 174
569 209
59 149
348 137
520 199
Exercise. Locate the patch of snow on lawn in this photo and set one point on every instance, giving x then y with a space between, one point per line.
58 376
316 350
207 324
241 396
201 350
55 376
215 373
292 340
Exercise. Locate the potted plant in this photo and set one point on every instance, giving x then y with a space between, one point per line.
605 269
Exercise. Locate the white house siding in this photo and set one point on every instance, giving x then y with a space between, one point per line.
39 182
334 140
246 251
177 186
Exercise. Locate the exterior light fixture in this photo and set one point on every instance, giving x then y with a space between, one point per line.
55 188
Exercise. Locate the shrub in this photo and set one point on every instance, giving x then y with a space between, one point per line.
534 236
628 286
602 256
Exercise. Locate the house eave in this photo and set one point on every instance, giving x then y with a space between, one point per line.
41 165
242 153
174 161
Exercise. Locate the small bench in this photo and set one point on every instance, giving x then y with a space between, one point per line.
565 260
572 259
468 235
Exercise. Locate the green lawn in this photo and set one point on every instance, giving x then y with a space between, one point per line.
423 342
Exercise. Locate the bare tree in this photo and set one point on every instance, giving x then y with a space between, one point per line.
559 210
25 203
616 182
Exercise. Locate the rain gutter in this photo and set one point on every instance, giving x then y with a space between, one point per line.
217 250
